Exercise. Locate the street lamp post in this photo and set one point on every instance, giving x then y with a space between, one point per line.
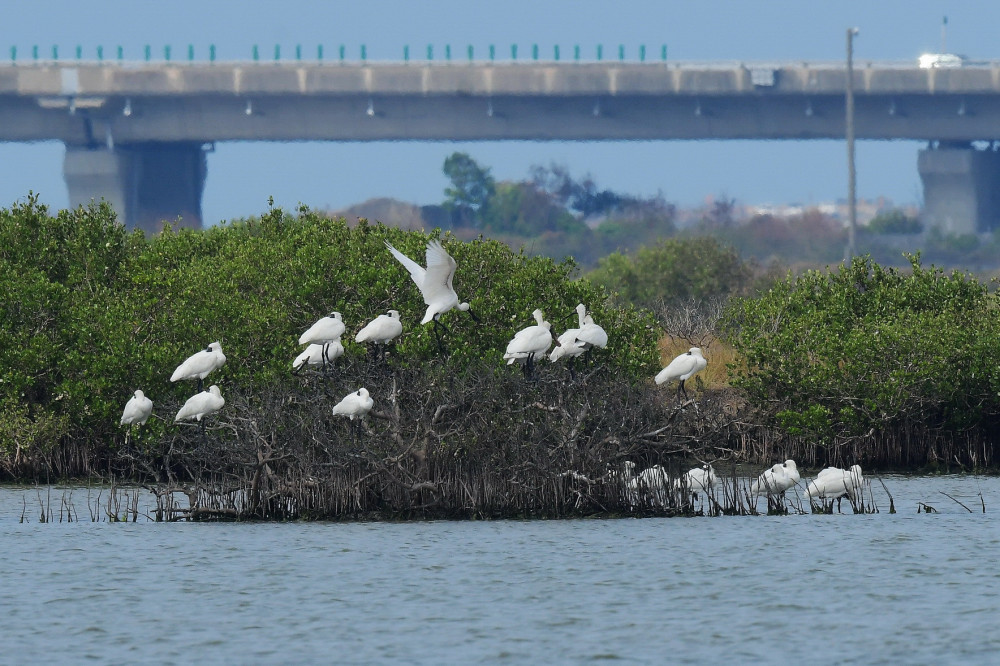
852 207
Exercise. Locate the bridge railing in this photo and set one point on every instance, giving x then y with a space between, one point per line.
255 53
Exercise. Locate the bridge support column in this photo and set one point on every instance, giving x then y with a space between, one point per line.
961 188
147 184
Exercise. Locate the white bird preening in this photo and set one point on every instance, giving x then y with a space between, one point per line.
834 483
701 479
381 330
776 480
200 405
137 412
200 364
326 331
682 368
578 341
318 354
434 283
530 342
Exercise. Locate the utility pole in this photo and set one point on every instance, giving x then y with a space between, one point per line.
944 34
852 206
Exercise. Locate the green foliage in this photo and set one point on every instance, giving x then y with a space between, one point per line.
521 208
91 312
863 349
674 270
472 186
895 222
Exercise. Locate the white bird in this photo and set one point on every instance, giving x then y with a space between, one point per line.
569 345
200 364
201 404
591 334
835 483
434 282
137 409
326 331
354 405
653 483
529 342
318 354
682 368
776 480
382 329
701 478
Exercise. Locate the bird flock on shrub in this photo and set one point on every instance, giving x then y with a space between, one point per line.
530 344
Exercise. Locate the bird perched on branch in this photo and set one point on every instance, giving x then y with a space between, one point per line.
354 405
381 330
318 354
529 343
682 368
326 331
200 364
435 284
137 411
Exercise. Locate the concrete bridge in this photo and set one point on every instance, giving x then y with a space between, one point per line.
136 133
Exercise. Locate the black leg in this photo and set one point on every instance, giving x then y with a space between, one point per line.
200 385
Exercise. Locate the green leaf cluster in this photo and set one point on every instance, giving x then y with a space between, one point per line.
90 312
865 349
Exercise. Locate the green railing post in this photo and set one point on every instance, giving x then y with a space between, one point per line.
600 51
148 51
79 52
34 52
364 53
493 53
555 52
298 52
277 52
642 53
100 54
255 52
534 51
55 52
13 54
343 50
430 52
621 51
447 52
319 52
211 52
190 52
513 51
121 53
663 53
576 52
166 52
406 53
469 49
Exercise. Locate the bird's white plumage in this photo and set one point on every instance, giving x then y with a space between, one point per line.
531 341
326 329
591 334
434 281
201 404
200 364
701 478
137 409
776 480
683 366
382 329
833 483
569 346
313 354
354 405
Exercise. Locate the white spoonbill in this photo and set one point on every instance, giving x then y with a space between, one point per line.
434 282
327 330
529 342
591 334
200 364
776 480
318 354
701 478
682 368
381 330
137 409
569 345
137 412
201 404
836 483
653 483
354 405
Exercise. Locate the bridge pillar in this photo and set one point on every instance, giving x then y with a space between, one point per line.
961 188
146 183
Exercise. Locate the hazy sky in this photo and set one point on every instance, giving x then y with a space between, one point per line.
242 175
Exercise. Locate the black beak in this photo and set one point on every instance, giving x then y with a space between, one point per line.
473 315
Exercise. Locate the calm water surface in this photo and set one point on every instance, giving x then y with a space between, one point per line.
879 589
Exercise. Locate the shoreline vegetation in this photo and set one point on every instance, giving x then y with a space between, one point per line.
889 369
